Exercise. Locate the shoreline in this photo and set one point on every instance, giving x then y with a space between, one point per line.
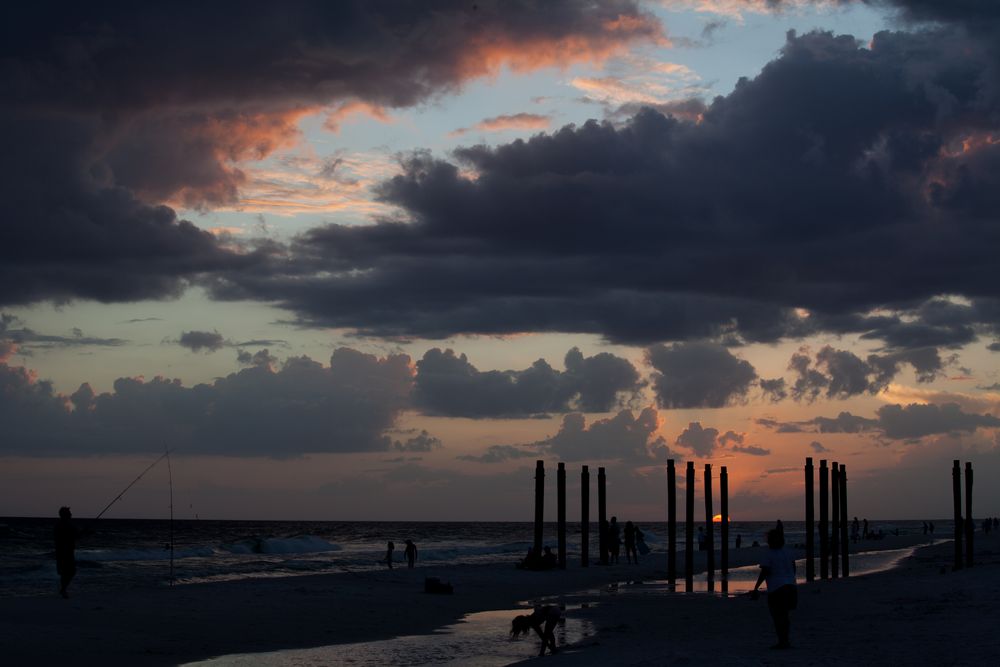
167 626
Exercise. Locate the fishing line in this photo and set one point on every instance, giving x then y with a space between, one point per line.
170 479
131 484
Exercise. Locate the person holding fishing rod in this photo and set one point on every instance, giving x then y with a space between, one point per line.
66 533
66 536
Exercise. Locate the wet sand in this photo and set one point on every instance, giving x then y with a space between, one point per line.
913 613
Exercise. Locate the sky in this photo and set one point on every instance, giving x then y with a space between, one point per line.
372 260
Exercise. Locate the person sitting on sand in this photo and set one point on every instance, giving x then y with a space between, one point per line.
389 548
549 560
777 568
411 553
549 615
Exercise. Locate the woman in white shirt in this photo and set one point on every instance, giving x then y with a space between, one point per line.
777 568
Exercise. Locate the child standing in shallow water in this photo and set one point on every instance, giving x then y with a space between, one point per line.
777 568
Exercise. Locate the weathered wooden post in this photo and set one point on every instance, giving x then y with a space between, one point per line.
709 525
689 528
671 523
561 513
970 526
844 542
810 511
539 505
724 527
824 516
834 520
956 490
585 517
602 515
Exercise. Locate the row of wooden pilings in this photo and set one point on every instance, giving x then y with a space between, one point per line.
833 552
671 518
966 526
834 558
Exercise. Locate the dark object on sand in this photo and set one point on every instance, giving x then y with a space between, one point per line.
437 587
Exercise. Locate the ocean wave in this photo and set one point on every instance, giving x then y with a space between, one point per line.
298 544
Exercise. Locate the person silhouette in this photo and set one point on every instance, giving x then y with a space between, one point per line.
66 535
777 568
630 540
739 541
389 548
614 540
411 553
549 615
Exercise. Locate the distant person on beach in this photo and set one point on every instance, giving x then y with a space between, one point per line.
630 537
780 527
614 540
930 526
739 541
777 568
855 527
864 530
411 553
543 621
925 527
389 548
66 535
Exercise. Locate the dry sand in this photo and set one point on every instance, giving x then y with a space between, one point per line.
920 613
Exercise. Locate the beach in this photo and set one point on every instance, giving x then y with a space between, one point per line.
919 612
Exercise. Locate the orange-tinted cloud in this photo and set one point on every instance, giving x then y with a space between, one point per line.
517 121
354 108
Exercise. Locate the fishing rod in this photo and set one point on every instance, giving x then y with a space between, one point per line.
125 490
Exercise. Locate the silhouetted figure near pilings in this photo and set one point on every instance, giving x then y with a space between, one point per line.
602 514
585 517
671 523
810 527
689 527
824 515
410 552
389 548
777 568
956 490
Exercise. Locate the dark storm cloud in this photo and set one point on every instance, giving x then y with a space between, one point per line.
705 442
13 331
624 437
304 407
698 375
210 341
107 113
839 374
838 165
917 420
448 384
818 447
422 442
501 453
899 422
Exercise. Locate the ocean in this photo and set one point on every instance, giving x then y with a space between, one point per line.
127 553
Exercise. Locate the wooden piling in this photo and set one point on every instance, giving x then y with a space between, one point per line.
724 526
539 505
689 528
844 542
561 513
956 491
824 515
970 525
810 510
834 520
709 525
585 517
602 515
671 523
